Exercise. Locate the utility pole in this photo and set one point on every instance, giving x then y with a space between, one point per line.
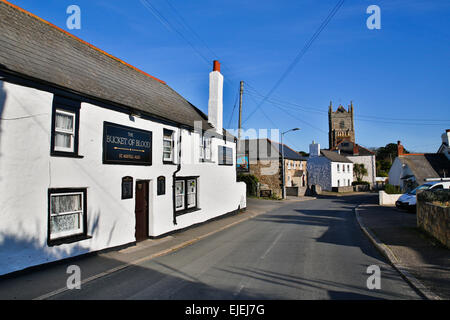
241 91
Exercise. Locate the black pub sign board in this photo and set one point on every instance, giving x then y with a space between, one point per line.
126 145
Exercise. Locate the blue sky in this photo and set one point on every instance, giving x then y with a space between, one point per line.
397 77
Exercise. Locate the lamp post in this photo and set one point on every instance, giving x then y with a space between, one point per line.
283 190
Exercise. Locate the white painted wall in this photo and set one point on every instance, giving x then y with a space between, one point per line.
395 173
319 172
27 172
325 173
340 175
385 199
369 163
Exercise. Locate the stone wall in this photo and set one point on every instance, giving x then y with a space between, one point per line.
435 220
268 174
342 189
296 191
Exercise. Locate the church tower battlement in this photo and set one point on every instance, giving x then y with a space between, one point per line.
341 125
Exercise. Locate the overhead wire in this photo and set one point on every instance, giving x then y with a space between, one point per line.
299 56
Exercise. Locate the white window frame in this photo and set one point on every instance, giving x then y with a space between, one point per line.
81 213
65 132
166 138
205 148
190 193
182 195
185 193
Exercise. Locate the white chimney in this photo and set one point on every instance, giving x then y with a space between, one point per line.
314 149
215 102
446 137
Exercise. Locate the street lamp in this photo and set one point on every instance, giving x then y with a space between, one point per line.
283 190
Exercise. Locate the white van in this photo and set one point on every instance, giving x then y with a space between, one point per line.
408 200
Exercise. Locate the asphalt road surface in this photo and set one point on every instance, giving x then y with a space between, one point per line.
305 250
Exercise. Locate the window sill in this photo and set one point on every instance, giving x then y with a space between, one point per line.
70 239
65 154
169 162
181 212
223 164
206 161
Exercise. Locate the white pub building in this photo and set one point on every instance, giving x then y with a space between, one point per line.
96 154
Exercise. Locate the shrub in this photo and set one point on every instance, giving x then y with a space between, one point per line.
441 197
390 189
251 181
356 183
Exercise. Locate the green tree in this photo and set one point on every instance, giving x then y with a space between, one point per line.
385 157
359 171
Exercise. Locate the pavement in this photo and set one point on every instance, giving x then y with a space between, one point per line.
46 281
421 260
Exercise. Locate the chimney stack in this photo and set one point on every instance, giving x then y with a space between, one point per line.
215 102
314 149
446 137
355 149
400 148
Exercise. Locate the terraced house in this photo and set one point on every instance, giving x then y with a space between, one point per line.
95 153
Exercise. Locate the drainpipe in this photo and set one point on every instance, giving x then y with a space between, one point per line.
174 177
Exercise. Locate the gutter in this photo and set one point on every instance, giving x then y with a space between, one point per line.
174 176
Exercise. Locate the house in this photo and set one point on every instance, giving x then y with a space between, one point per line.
95 153
413 169
445 145
329 170
358 154
264 159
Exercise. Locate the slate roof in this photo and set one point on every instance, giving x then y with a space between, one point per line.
33 47
428 165
288 152
334 156
348 150
273 150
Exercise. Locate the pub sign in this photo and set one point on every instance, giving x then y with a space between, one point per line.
126 145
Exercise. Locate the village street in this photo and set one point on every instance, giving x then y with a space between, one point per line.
302 250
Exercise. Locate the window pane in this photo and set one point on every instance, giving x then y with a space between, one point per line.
65 222
167 156
66 203
191 193
64 121
63 140
179 202
191 200
179 188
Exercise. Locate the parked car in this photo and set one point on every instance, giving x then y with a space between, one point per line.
408 200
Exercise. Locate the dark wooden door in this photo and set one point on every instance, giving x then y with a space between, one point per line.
141 210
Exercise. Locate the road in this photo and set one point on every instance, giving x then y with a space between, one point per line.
305 250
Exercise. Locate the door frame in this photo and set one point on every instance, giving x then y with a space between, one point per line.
147 213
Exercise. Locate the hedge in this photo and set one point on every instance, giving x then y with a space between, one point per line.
441 196
391 189
357 183
251 181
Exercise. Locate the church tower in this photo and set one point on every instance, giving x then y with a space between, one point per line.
340 124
